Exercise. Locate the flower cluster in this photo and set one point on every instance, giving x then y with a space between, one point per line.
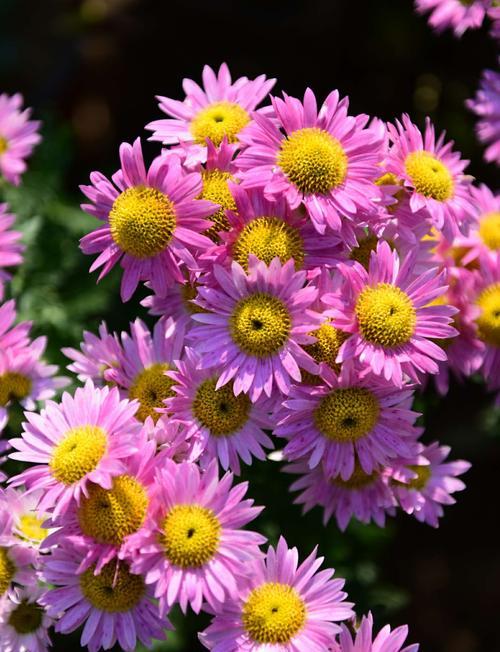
459 15
486 105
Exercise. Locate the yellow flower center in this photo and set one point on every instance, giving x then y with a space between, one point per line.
266 238
273 614
189 292
30 528
4 145
7 571
109 515
220 410
142 221
218 120
347 414
488 322
26 618
429 176
489 230
190 535
423 476
151 387
386 315
13 386
313 160
325 349
260 324
358 480
78 454
215 189
114 590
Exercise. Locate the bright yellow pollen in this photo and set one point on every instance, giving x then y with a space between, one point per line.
260 324
429 176
386 315
423 476
273 613
325 349
114 590
489 230
215 189
13 386
109 515
218 120
488 322
151 387
388 179
4 145
220 410
347 414
7 571
78 453
266 238
30 528
313 160
358 480
142 221
190 535
26 617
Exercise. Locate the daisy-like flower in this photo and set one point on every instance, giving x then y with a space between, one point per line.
254 326
153 221
113 606
365 496
16 562
486 105
284 606
224 426
10 248
424 483
24 623
362 640
348 419
386 310
221 109
434 175
458 15
98 354
27 523
325 160
18 137
80 441
192 547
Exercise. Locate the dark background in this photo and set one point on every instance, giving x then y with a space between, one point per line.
91 69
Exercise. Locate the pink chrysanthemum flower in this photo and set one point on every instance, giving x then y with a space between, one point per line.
283 607
12 335
365 496
362 640
153 221
386 309
80 441
254 326
326 160
24 623
98 355
192 547
458 15
224 426
26 522
424 483
18 137
221 109
486 105
434 175
113 606
16 562
10 248
348 419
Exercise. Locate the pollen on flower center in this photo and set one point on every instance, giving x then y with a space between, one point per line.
218 120
26 617
347 414
429 176
358 480
260 324
273 613
215 189
489 230
363 251
151 387
266 238
488 322
7 571
78 453
325 349
386 315
188 292
142 221
220 410
4 145
13 386
313 160
109 515
190 535
30 528
114 590
423 476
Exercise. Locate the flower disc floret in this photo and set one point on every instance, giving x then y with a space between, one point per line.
219 120
26 617
191 535
488 322
220 410
358 480
14 386
489 230
79 453
346 414
151 387
7 570
429 176
216 190
114 590
31 529
268 238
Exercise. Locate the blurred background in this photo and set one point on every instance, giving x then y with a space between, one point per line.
91 69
